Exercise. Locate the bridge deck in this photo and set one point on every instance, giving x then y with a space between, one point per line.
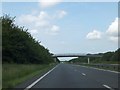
74 55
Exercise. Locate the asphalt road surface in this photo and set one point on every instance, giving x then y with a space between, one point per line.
76 76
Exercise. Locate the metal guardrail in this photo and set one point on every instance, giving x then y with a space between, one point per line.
108 66
115 67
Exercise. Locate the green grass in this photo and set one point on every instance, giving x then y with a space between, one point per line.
103 67
0 76
106 62
14 74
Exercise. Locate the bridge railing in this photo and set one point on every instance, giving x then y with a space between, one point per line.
76 55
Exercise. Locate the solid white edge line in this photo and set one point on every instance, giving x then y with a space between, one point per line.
83 74
99 69
107 87
35 82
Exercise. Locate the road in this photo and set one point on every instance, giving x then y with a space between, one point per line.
76 76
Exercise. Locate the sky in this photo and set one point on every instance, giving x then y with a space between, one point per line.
69 27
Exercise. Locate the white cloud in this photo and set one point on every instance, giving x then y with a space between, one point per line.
39 19
113 28
34 31
115 39
55 28
42 22
62 13
48 3
43 15
26 19
94 35
112 31
59 14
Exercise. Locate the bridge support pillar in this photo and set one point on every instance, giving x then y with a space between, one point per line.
55 59
88 60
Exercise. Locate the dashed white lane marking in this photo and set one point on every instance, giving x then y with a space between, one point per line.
31 85
108 87
83 74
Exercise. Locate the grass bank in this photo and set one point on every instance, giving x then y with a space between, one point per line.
103 66
14 74
104 62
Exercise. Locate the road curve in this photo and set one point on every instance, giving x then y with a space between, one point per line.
76 76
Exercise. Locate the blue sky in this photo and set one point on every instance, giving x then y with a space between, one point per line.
69 27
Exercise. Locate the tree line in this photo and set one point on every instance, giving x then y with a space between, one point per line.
106 57
18 46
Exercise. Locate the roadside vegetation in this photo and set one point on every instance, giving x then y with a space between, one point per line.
18 46
15 74
22 56
107 58
109 61
103 66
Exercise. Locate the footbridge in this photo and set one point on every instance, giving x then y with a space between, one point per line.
76 55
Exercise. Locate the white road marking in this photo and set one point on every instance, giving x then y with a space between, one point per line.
99 69
31 85
83 74
107 87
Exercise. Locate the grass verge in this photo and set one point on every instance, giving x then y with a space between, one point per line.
14 74
112 68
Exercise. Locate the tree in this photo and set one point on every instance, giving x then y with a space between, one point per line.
107 56
116 55
19 46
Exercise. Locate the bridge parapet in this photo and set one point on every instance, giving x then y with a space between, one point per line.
77 55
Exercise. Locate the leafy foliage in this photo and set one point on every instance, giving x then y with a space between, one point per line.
116 55
108 56
18 46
